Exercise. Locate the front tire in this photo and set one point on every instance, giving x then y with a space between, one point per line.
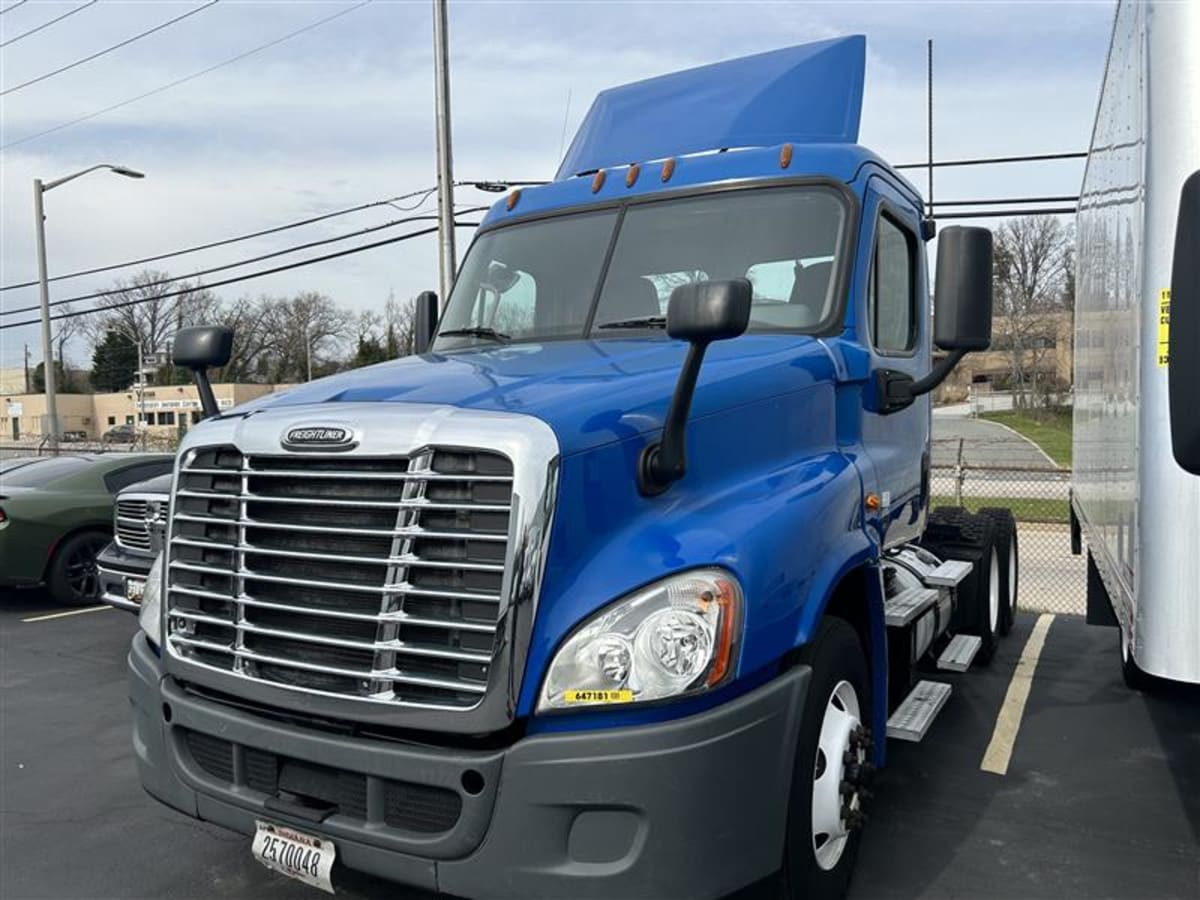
71 577
825 814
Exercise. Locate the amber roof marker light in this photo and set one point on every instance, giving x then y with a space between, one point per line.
631 176
512 199
598 180
785 156
668 169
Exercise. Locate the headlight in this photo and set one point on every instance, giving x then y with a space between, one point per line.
676 637
150 615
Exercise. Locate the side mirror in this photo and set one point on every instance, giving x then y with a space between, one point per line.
962 298
201 348
700 313
962 304
1183 318
425 321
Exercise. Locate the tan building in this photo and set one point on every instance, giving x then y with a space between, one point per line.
1049 358
162 411
12 380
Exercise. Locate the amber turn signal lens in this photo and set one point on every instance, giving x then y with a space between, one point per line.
723 652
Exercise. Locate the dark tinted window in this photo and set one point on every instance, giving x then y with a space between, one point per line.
42 473
121 478
891 298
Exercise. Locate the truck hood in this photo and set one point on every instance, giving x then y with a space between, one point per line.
589 392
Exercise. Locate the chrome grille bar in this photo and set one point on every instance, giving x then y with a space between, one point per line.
343 541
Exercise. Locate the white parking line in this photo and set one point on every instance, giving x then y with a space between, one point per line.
63 615
1008 722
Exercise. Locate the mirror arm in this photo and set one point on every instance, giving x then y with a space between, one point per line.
208 402
665 461
937 374
897 390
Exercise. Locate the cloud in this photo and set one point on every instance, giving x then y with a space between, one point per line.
344 114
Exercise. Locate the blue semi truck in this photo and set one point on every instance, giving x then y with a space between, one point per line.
618 586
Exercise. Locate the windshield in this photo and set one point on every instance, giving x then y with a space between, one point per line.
538 281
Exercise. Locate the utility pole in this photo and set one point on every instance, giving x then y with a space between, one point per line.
308 349
28 384
445 160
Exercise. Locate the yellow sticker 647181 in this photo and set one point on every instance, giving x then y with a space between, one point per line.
1164 327
621 696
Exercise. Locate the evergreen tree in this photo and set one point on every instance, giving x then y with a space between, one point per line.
114 363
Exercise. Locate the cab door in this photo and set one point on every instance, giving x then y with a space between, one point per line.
894 313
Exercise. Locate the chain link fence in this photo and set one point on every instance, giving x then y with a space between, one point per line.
1050 578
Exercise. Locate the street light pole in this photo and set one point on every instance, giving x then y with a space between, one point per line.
445 158
48 373
39 218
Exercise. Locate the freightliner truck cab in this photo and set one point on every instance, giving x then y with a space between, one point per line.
616 589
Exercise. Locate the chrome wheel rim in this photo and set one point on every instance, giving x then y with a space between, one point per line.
994 592
1012 574
841 721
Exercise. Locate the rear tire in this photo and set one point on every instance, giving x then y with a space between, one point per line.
1006 548
1136 679
824 827
953 533
71 577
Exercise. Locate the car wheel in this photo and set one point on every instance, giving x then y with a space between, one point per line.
825 810
72 577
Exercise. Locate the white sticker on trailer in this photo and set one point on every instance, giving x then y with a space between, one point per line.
295 854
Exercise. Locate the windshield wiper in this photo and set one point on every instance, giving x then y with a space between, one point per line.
479 332
643 322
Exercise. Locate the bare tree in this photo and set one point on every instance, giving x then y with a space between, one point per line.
1033 287
308 324
400 319
150 311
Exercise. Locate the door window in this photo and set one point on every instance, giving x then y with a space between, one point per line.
891 294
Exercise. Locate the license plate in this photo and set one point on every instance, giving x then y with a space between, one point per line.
134 590
295 854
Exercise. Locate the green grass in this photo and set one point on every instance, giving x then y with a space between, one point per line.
1025 509
1050 429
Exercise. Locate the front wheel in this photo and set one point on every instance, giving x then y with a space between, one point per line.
825 813
72 578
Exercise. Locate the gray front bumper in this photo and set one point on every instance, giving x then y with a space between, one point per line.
114 566
691 808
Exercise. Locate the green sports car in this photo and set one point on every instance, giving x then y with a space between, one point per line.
56 514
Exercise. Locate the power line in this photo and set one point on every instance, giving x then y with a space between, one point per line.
67 14
230 240
251 276
242 262
14 6
107 50
995 160
186 78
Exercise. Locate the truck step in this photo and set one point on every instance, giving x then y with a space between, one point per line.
959 652
949 573
900 610
913 717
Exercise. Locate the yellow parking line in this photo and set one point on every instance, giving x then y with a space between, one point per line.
1008 722
63 615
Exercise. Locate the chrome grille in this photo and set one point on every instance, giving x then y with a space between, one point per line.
131 529
374 577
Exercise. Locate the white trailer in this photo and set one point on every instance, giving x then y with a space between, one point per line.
1135 495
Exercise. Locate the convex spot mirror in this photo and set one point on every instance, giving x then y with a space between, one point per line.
1183 371
202 347
705 311
962 300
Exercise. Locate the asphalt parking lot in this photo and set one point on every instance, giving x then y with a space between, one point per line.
1101 797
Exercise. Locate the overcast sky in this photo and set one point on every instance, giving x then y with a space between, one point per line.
343 114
